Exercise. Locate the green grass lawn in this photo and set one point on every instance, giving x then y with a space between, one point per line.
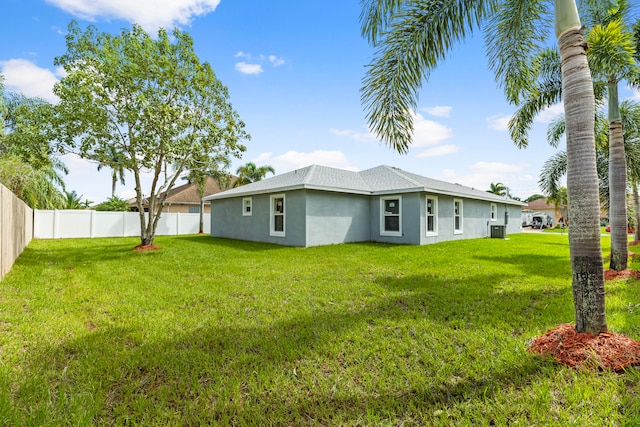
217 332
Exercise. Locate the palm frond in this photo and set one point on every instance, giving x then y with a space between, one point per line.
418 36
552 172
515 33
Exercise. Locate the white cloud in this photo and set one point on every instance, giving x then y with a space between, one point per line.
150 14
438 110
499 122
294 160
497 167
549 114
245 68
26 77
275 61
427 132
255 67
441 150
341 132
481 174
361 136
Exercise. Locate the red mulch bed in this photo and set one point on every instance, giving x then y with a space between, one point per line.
607 350
624 274
142 248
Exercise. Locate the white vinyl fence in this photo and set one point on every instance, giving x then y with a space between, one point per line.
66 224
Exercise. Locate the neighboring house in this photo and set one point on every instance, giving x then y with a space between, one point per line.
541 206
319 205
185 198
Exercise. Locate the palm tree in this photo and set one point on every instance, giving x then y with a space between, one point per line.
39 188
114 159
556 166
411 37
611 57
251 173
498 188
560 202
200 169
73 200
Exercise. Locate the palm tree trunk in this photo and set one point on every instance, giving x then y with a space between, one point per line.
582 183
636 206
201 228
617 185
618 198
114 181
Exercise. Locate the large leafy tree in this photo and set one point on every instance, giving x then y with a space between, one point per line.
249 173
413 36
151 99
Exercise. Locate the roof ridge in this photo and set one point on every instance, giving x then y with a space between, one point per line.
310 174
401 174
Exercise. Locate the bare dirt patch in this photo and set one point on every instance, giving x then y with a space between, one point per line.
584 351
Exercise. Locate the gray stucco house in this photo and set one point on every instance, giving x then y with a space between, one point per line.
318 205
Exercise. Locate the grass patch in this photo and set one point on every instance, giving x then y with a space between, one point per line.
217 332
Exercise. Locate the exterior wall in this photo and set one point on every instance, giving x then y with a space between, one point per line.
476 219
228 221
183 208
336 218
319 218
411 219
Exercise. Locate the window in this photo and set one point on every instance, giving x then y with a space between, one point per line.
277 215
457 216
494 212
391 216
246 206
432 216
194 209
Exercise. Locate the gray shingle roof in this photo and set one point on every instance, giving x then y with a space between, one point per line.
378 180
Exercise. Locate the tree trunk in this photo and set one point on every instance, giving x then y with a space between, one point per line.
582 184
636 206
618 197
201 228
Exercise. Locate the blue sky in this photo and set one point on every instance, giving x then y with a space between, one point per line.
294 70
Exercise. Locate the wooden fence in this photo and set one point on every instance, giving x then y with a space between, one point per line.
16 228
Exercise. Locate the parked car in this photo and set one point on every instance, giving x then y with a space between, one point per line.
541 221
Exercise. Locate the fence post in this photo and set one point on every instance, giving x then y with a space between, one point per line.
55 223
92 224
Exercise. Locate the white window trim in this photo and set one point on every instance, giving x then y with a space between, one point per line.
435 216
272 231
382 216
494 212
461 214
244 211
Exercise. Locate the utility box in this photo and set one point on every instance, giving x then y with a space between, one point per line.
498 231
